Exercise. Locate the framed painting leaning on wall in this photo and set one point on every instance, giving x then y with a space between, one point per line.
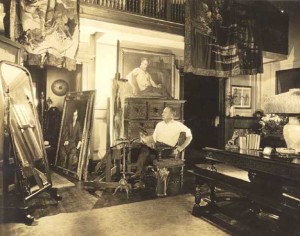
148 74
75 134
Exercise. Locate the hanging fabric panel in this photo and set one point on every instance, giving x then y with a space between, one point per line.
221 39
48 29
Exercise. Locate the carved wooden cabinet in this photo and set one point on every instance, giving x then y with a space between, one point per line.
142 114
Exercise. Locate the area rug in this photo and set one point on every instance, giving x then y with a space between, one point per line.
163 216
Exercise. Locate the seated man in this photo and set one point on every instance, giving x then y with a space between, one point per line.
166 134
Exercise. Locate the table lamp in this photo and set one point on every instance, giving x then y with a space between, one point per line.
287 104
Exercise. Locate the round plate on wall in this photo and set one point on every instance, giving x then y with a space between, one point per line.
60 87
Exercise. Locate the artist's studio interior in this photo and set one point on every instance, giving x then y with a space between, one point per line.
149 117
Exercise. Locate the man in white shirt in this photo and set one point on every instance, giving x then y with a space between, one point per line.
166 133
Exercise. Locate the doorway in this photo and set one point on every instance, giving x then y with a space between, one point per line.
204 110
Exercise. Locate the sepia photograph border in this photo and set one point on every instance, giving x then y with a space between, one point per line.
89 97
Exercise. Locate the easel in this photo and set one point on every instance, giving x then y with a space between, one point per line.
123 184
116 153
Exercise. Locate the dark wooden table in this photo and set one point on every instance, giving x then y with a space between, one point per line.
272 183
287 167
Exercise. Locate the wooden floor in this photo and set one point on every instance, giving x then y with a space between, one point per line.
233 215
79 198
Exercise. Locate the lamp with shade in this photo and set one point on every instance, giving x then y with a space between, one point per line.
287 104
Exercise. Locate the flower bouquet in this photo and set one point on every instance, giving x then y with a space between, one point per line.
162 177
272 124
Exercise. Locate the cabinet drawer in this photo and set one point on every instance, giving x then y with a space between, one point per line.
136 111
155 110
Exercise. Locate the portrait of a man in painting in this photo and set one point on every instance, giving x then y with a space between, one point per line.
71 154
149 74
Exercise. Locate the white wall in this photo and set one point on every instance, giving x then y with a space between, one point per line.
103 38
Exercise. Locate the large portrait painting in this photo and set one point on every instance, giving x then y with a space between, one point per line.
148 74
75 133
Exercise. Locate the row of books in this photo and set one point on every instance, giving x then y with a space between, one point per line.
249 141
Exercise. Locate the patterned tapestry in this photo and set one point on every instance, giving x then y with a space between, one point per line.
48 29
222 39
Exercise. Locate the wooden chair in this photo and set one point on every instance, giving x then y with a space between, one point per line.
175 166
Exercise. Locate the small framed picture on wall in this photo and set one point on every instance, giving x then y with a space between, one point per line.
242 96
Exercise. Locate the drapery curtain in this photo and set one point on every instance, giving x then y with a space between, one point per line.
48 30
222 39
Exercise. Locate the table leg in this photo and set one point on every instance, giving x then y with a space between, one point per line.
53 193
196 208
212 189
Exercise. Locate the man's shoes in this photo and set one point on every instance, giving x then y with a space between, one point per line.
139 185
149 168
133 179
135 176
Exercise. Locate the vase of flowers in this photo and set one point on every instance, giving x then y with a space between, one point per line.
272 124
162 178
272 130
231 111
230 104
